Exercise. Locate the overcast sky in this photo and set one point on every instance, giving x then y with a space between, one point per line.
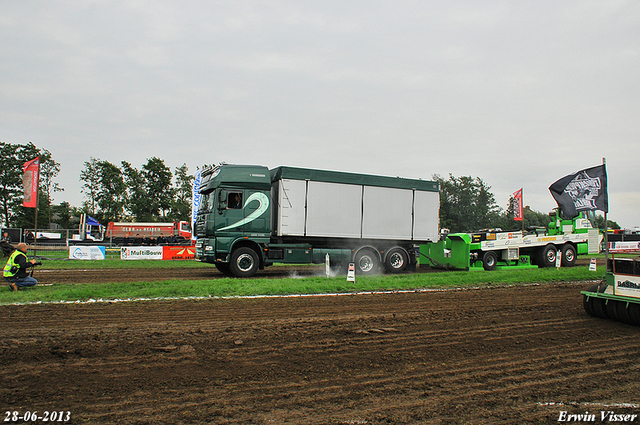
518 93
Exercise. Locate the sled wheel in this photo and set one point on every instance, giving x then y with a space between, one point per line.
489 260
624 315
244 262
612 309
634 313
397 261
599 308
587 301
569 256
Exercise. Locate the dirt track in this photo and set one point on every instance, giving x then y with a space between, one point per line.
497 355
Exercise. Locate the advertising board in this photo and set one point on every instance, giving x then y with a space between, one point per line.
141 252
179 253
86 252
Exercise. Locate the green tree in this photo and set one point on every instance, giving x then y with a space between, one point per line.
466 204
183 194
157 182
90 176
137 199
63 215
12 158
111 196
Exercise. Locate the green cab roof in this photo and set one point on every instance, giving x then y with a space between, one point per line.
240 176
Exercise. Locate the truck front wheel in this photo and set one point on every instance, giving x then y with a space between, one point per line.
244 262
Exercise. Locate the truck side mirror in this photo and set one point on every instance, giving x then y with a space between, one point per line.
222 199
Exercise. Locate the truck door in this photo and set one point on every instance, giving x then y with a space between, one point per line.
257 214
230 212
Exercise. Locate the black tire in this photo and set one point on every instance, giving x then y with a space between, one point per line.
397 260
367 262
624 315
546 256
587 302
599 308
244 262
224 268
612 309
634 313
489 260
569 256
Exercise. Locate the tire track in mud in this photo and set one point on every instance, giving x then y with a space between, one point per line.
490 355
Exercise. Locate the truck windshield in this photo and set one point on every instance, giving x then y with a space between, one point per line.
206 202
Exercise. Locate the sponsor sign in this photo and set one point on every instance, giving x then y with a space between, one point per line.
178 252
517 205
86 252
31 170
593 266
627 285
141 252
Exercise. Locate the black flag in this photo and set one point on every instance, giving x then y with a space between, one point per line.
585 190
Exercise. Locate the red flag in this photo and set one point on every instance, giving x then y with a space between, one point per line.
517 205
30 177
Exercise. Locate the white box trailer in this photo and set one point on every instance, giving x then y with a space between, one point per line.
328 204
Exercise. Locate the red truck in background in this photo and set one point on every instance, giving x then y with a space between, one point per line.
176 233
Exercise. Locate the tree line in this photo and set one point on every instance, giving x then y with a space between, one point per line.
154 193
112 192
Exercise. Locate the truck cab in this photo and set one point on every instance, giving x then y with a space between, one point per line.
235 212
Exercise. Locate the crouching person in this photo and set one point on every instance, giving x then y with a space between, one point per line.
15 271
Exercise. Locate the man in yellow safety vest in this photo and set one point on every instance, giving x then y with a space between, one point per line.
15 271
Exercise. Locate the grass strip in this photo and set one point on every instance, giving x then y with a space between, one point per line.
229 287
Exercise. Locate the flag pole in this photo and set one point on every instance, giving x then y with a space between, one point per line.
35 224
606 226
522 202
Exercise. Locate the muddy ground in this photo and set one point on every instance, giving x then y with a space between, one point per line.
508 355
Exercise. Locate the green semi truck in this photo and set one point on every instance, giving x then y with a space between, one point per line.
250 217
561 242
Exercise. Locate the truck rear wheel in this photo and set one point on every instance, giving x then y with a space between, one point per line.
489 260
244 262
569 256
397 260
366 262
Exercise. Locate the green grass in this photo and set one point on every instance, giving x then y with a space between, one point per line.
227 287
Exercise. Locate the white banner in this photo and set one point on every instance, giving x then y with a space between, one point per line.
615 247
141 253
86 252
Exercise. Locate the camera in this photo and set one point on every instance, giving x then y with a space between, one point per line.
37 263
